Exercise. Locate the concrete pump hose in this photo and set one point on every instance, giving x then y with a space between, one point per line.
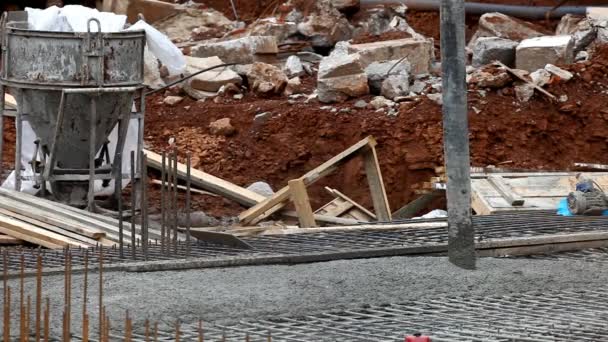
528 12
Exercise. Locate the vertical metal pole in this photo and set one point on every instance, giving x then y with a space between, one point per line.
38 295
118 194
19 138
92 152
461 245
133 203
175 183
144 203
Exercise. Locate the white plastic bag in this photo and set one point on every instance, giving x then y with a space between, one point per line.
162 48
47 19
79 16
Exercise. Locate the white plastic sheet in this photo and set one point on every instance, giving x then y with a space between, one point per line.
73 18
162 48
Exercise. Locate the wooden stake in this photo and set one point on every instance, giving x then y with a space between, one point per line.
300 199
376 185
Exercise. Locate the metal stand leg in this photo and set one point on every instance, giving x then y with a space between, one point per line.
92 152
18 143
2 105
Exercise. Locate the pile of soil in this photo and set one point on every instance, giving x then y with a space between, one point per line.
299 136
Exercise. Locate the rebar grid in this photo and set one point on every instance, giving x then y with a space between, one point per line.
487 228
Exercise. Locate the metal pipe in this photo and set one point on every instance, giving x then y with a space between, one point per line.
476 8
461 244
188 223
133 204
144 204
162 202
175 181
18 143
2 105
100 90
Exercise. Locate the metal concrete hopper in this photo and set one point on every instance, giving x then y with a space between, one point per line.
73 89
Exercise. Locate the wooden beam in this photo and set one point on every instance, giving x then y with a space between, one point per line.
376 185
210 183
363 227
299 197
591 166
273 203
346 198
324 218
541 90
9 240
410 209
505 191
183 188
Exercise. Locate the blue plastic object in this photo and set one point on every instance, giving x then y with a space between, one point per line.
562 209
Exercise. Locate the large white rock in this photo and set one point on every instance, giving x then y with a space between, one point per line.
339 89
240 50
581 29
418 52
338 64
489 49
535 53
213 80
502 26
294 67
181 25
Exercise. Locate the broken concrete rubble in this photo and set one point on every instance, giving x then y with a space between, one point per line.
266 79
213 80
502 26
339 89
395 86
152 10
379 102
208 23
540 77
341 76
240 50
325 26
272 27
172 100
261 188
377 72
535 53
582 30
559 72
419 53
489 49
294 67
294 86
495 79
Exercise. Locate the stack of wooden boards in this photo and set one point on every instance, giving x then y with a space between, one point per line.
55 225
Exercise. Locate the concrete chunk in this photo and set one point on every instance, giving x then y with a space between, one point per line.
241 50
338 64
581 29
339 89
377 72
559 72
535 53
489 49
419 53
213 80
395 86
503 26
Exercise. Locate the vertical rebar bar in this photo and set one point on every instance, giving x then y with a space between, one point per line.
127 328
101 309
147 330
175 209
47 317
38 295
187 209
201 336
133 205
177 332
85 315
144 203
162 202
7 298
155 331
21 299
18 143
26 336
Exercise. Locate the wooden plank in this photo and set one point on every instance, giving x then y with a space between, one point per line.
325 218
49 227
410 209
505 191
183 188
9 240
363 227
274 203
346 198
376 185
335 207
591 166
210 183
35 235
299 197
541 90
